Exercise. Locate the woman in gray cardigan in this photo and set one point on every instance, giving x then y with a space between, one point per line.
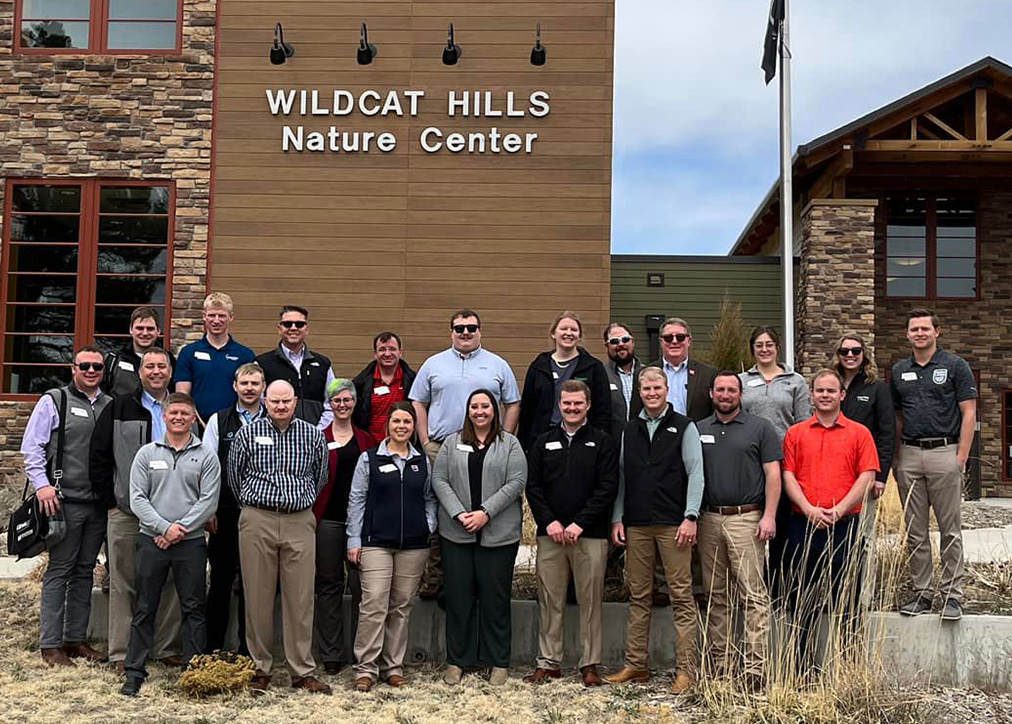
479 478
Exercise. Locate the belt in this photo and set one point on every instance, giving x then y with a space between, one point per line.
733 509
929 443
273 508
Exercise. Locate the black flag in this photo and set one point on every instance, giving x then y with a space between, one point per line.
771 41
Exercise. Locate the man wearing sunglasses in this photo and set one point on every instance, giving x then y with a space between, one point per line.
66 586
306 371
689 382
623 367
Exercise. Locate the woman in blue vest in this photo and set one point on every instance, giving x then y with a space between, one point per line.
479 478
391 513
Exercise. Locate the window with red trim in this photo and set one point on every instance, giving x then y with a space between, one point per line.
99 26
78 258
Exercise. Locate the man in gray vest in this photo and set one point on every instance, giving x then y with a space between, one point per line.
61 481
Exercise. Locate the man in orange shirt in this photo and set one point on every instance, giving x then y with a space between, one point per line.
830 463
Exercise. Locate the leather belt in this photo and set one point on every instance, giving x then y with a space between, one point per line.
929 443
273 508
733 509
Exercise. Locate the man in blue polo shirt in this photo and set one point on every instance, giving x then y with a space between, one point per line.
206 368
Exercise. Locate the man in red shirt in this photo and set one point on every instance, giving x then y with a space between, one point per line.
830 463
382 384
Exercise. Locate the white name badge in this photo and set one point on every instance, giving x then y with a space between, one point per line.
263 440
381 390
613 386
756 383
590 443
464 448
553 445
333 445
707 439
908 376
388 468
202 355
159 465
79 411
672 429
555 375
124 365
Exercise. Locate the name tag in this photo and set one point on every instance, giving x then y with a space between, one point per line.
553 445
613 386
159 465
124 365
590 443
263 440
709 439
202 355
388 468
555 375
908 376
79 411
314 364
464 448
672 429
381 390
756 383
333 445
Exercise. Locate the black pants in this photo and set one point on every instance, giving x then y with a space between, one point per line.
187 560
223 555
328 616
479 582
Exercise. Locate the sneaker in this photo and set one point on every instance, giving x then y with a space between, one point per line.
953 610
132 686
916 606
453 675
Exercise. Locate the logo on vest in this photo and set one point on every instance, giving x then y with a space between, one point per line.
939 376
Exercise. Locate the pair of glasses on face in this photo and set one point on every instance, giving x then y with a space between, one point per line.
624 339
765 345
669 338
344 402
850 351
88 366
469 328
297 323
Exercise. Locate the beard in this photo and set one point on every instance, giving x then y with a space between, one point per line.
620 356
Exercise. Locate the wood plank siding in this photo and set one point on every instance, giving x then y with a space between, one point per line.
399 240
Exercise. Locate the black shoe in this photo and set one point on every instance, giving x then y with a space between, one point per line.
132 686
332 668
953 610
916 606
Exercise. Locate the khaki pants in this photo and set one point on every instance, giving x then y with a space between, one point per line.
273 545
121 532
432 576
389 583
642 545
587 560
733 558
931 480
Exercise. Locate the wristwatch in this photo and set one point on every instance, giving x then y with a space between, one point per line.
691 517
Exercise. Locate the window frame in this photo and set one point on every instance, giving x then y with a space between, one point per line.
98 35
931 246
87 261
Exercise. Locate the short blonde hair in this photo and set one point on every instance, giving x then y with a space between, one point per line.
655 372
218 299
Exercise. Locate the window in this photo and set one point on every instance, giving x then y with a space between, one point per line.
931 247
99 26
78 257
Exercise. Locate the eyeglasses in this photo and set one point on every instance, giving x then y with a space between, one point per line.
765 345
624 339
469 328
344 402
88 366
669 338
850 351
297 323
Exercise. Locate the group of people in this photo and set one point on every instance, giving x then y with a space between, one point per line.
272 471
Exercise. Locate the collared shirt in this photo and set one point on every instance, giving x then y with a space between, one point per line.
678 384
154 407
388 395
734 453
827 460
211 371
210 439
446 379
627 379
294 357
928 395
275 468
43 421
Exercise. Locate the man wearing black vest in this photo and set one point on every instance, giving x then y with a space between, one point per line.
122 369
61 480
223 543
307 372
660 491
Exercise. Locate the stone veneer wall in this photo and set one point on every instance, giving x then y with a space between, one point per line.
117 117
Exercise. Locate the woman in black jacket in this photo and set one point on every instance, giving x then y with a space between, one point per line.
539 405
867 401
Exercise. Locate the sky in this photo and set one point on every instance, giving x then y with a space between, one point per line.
696 131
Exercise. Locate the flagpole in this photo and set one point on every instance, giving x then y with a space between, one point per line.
786 186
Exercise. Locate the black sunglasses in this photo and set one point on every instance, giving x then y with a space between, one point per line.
669 338
88 366
297 323
469 328
624 339
850 351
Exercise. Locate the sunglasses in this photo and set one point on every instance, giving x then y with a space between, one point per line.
88 366
297 323
669 338
624 339
850 351
469 328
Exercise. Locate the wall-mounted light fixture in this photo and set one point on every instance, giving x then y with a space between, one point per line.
538 55
280 51
366 51
452 51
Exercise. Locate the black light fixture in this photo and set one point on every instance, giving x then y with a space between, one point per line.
452 51
539 54
366 51
280 51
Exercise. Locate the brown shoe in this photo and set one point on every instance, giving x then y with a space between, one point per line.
396 681
542 676
590 676
259 684
84 651
628 676
312 685
56 657
174 661
363 684
683 683
118 667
